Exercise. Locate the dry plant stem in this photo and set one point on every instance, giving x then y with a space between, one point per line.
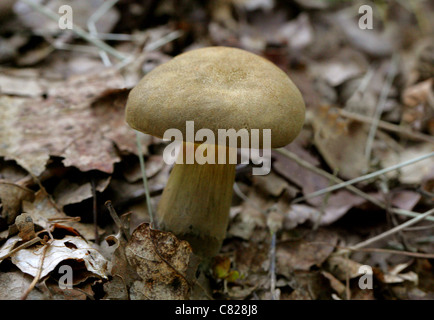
94 210
392 231
273 267
38 275
145 180
23 246
117 220
387 126
76 29
363 178
404 253
91 25
377 202
380 106
195 204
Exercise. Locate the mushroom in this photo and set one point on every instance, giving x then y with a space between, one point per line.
217 88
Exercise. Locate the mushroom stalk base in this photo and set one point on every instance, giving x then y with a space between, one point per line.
195 204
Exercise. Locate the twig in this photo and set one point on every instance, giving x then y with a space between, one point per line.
380 106
117 220
392 231
94 210
273 266
404 253
38 275
372 199
145 180
363 178
344 250
91 25
387 126
23 246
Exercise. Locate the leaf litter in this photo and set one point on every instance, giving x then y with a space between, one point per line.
65 149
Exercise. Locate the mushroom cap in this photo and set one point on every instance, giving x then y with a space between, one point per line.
217 88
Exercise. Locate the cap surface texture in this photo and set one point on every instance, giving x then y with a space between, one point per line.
217 88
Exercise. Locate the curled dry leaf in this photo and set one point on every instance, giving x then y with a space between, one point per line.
165 264
342 267
44 213
395 274
75 248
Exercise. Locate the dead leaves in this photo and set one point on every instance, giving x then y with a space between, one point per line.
12 195
68 248
71 123
156 265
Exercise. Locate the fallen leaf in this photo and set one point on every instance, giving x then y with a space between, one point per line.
342 144
163 263
14 284
44 214
75 248
342 267
67 127
12 195
302 254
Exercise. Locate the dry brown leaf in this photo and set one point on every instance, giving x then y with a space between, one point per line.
44 213
415 173
304 253
68 192
164 264
67 125
68 248
419 93
251 220
273 185
405 199
342 144
342 267
12 195
14 284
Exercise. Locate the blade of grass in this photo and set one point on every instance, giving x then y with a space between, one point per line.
363 178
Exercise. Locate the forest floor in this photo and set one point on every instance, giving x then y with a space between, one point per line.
65 150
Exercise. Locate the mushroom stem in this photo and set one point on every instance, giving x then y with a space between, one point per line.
195 203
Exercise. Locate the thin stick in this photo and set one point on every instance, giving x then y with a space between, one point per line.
95 210
392 231
387 126
117 220
404 253
363 178
23 246
377 202
380 106
273 266
38 275
77 30
344 250
145 180
91 25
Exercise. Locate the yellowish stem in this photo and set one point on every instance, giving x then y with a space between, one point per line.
195 204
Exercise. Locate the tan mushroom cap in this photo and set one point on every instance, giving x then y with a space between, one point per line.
217 88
